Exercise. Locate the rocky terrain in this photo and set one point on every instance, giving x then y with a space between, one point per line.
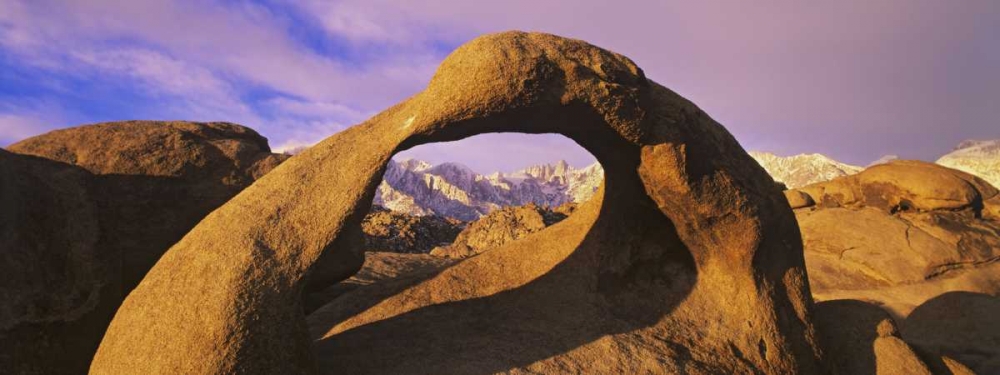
397 232
498 228
688 258
453 190
921 242
89 210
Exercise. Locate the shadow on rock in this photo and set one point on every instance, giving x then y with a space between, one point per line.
959 325
565 309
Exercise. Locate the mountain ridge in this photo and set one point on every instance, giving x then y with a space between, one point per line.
454 190
978 157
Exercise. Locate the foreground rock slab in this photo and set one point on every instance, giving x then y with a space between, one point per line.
86 211
690 261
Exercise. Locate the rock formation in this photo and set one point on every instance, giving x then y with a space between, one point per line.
77 239
59 286
157 179
899 235
688 260
401 233
498 228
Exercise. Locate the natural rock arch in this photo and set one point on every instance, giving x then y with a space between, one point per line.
682 200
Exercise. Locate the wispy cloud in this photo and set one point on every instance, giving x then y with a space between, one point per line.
209 61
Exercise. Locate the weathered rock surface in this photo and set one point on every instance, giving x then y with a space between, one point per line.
382 275
905 185
863 339
156 179
899 235
401 233
58 287
498 228
798 199
689 261
77 239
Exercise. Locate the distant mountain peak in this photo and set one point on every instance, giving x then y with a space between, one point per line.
977 143
455 190
802 169
978 157
884 159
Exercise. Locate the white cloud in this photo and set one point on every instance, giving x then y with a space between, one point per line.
202 57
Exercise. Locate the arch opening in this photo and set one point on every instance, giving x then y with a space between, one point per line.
618 246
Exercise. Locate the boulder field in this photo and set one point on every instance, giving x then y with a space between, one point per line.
88 210
497 228
921 242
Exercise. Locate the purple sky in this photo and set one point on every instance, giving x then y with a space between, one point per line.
851 79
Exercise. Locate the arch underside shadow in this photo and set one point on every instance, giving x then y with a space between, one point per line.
690 258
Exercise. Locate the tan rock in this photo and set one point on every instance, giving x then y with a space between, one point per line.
903 185
797 199
688 262
868 248
860 339
498 228
156 179
915 238
991 208
397 232
148 183
58 286
955 367
894 357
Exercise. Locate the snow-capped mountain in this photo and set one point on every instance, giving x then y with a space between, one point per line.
803 169
883 160
978 157
453 190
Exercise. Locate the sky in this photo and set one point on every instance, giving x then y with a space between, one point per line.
853 80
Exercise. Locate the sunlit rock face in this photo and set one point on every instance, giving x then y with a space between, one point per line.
918 241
